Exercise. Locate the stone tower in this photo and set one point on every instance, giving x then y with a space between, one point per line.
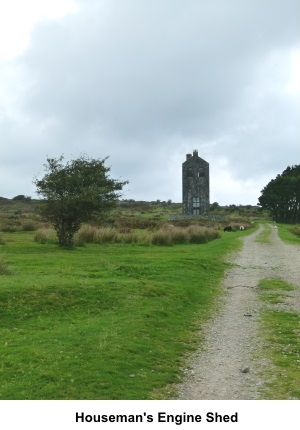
195 185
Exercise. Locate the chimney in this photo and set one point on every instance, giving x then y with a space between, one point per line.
195 153
188 156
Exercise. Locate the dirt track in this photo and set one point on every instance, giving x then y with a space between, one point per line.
226 368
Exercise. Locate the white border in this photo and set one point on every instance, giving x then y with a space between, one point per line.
54 414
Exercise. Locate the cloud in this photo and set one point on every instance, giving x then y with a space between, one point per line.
17 18
145 83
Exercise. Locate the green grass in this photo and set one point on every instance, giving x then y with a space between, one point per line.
285 232
281 333
102 321
264 236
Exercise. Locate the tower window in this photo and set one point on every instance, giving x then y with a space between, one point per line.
196 205
196 202
190 173
201 172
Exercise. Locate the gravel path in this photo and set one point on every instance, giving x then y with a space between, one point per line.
225 369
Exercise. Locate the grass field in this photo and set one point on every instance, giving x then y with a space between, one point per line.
105 321
102 322
264 236
289 233
280 331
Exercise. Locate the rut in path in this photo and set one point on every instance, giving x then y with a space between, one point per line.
225 369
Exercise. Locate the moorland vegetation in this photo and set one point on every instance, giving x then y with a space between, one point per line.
114 317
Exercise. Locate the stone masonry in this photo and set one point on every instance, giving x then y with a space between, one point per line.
195 185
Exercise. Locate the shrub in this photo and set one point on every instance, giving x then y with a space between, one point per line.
89 189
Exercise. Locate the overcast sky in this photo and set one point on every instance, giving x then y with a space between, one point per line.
147 81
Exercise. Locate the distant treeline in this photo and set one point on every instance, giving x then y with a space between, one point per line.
281 196
19 197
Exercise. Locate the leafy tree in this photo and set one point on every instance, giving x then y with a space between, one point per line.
214 206
76 192
281 196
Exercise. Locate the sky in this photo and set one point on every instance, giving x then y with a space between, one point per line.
146 82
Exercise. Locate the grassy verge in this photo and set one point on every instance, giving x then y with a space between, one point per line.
289 233
102 322
264 236
281 333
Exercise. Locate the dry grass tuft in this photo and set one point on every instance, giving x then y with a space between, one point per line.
45 235
180 235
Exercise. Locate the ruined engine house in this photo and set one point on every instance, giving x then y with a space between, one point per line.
195 185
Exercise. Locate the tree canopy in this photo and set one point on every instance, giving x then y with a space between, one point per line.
281 196
76 192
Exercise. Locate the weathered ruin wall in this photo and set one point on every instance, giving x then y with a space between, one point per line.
195 184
